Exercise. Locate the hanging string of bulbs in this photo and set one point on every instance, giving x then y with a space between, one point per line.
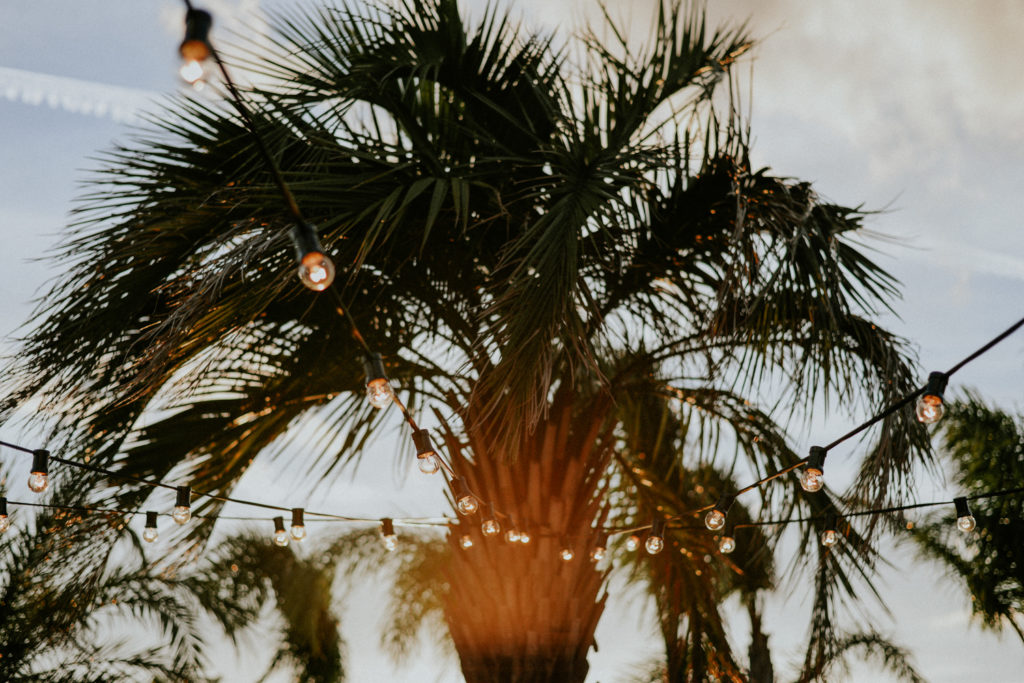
316 271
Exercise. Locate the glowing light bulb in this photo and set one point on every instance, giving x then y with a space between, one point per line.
316 271
465 502
379 393
811 479
38 479
524 537
714 520
38 482
829 537
149 534
5 521
466 542
182 507
280 535
598 553
387 532
566 554
298 530
428 464
512 536
929 405
633 542
181 514
726 544
929 409
964 519
490 527
192 71
426 456
656 541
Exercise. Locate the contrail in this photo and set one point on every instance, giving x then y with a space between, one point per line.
74 95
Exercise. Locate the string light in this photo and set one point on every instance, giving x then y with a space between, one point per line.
811 479
727 541
387 533
964 519
524 537
566 553
600 549
316 269
715 519
929 405
465 502
490 526
633 542
280 535
512 535
5 521
656 540
183 505
829 537
298 530
38 478
466 542
426 456
149 534
378 389
195 49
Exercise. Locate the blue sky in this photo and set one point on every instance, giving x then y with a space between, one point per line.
913 107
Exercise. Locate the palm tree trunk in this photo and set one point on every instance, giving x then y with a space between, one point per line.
520 613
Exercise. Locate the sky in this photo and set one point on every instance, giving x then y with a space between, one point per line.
911 108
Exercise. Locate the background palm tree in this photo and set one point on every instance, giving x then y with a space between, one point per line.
547 242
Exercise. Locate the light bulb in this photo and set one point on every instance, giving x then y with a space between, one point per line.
567 554
38 481
598 553
829 538
633 542
654 544
181 514
964 519
379 392
726 544
524 537
316 271
490 527
281 538
390 543
298 530
715 519
428 463
929 409
5 523
466 542
192 71
929 406
512 536
811 480
149 534
467 505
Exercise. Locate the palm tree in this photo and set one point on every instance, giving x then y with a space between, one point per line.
986 452
550 243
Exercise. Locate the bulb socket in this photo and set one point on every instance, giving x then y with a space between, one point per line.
278 524
816 459
725 502
41 461
3 506
387 527
184 497
459 488
150 519
658 528
424 447
373 366
962 508
730 530
830 522
196 44
297 517
936 386
305 240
